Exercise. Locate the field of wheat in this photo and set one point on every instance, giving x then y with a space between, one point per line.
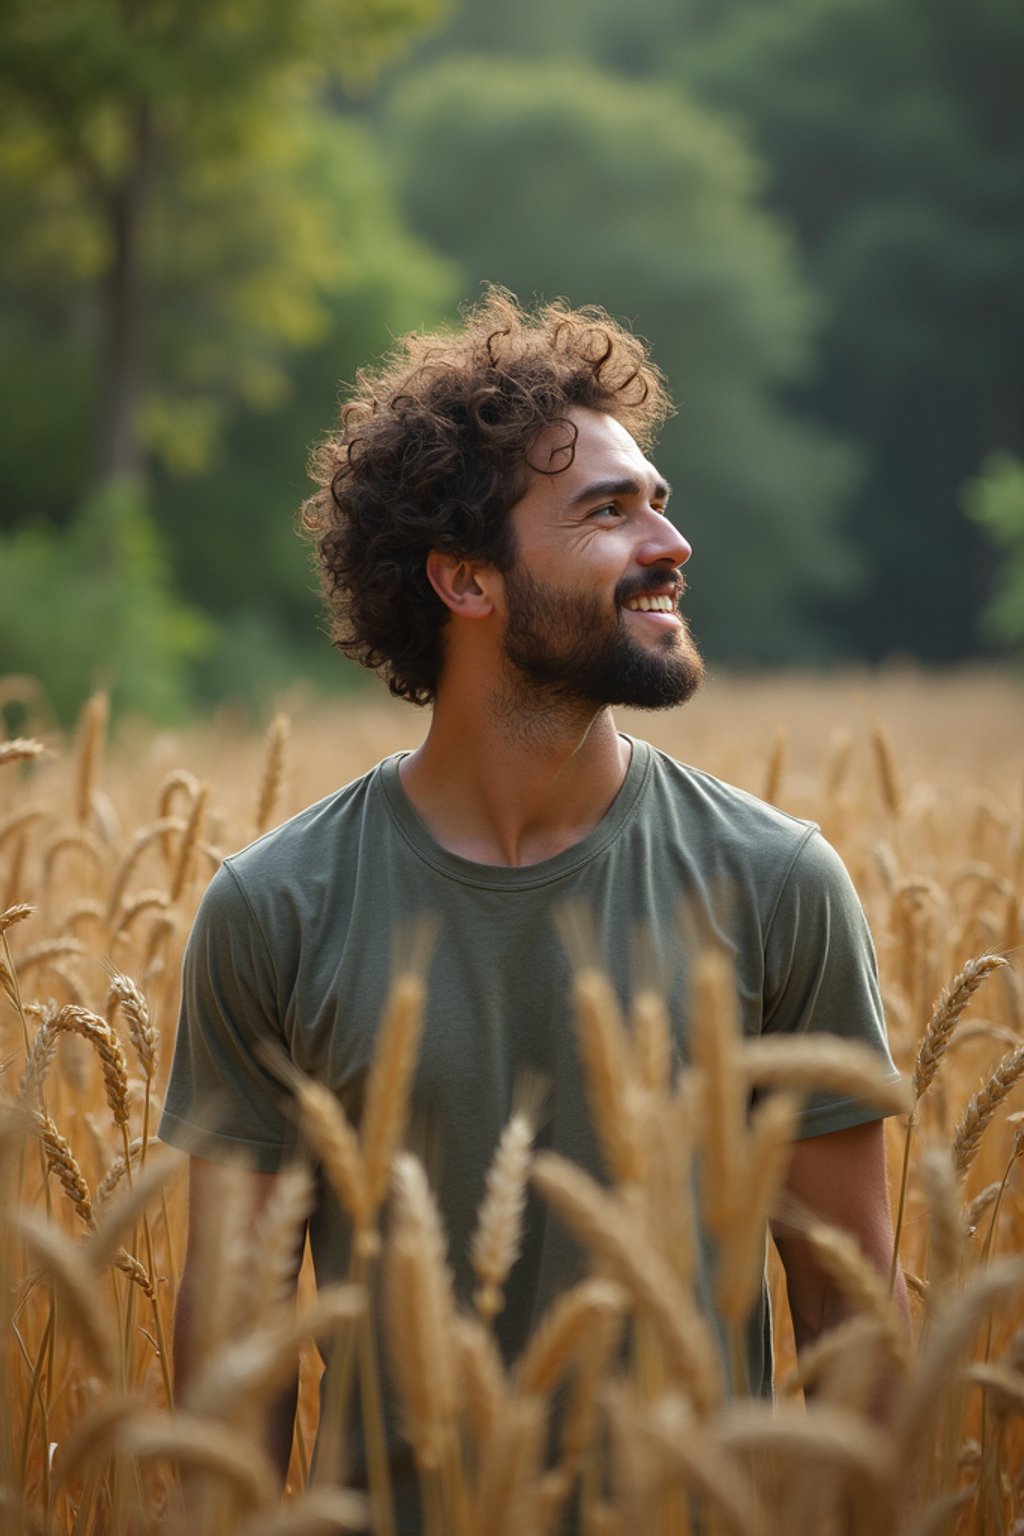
106 842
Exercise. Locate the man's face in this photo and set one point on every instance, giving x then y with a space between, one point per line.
591 599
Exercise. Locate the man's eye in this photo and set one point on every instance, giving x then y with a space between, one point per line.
610 510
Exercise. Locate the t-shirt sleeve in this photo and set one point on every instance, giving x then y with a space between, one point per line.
821 974
223 1099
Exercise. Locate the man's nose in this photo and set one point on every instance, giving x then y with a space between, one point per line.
664 543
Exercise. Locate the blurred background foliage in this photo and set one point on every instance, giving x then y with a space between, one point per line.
214 213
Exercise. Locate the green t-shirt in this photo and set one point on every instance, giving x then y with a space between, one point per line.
294 943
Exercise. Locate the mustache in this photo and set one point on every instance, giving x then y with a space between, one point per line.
647 585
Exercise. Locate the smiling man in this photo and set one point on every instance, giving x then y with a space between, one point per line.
496 542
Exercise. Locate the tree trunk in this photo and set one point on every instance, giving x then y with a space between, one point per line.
122 311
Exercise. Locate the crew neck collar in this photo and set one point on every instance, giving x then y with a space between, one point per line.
517 876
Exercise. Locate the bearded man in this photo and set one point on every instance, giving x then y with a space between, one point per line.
496 542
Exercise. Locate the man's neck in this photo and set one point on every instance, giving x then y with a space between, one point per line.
514 787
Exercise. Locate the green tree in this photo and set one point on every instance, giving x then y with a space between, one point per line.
231 528
559 180
95 606
995 500
895 138
153 173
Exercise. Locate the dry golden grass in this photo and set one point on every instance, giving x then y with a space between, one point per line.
104 849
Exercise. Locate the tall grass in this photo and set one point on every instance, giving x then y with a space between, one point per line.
104 850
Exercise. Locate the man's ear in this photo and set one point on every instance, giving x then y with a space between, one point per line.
455 580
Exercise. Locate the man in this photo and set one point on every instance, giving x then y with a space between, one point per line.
494 539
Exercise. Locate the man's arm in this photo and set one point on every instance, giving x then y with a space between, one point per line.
841 1178
204 1197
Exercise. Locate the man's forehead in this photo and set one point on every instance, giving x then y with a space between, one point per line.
584 442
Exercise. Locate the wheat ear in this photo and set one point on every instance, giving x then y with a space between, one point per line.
421 1315
714 1048
652 1041
141 841
337 1147
124 993
248 1370
981 1107
62 1262
773 1126
499 1228
607 1065
682 1444
888 775
775 766
92 734
272 777
197 1445
317 1512
610 1230
15 914
389 1083
39 1058
508 1488
842 1257
947 1231
823 1063
830 1435
938 1367
101 1037
946 1014
62 1162
20 749
564 1330
188 849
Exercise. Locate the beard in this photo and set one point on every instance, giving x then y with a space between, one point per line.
564 644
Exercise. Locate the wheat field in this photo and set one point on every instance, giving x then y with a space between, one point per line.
106 842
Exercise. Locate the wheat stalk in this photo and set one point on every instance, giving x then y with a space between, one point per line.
60 1259
484 1383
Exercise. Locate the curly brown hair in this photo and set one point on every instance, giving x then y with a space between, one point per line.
433 450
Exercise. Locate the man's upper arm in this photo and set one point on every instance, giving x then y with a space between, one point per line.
840 1179
223 1099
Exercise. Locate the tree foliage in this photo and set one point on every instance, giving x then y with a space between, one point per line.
559 180
894 132
995 500
95 606
156 160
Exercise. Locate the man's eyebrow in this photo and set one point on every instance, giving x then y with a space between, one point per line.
661 492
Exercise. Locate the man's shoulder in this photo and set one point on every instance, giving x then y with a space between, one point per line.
723 809
314 837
